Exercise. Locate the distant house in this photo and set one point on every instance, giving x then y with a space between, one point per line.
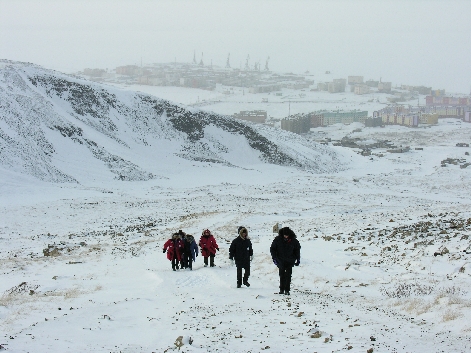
437 92
361 89
128 70
337 85
402 119
300 123
94 72
372 83
323 86
384 86
392 117
447 101
344 117
419 89
354 80
265 88
448 111
430 118
255 116
374 122
151 80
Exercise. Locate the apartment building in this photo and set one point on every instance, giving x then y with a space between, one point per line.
354 80
337 85
302 123
255 116
361 89
384 87
299 124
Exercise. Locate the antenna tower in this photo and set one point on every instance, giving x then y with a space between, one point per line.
201 61
266 64
228 65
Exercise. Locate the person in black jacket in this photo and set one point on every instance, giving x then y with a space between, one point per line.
285 251
241 251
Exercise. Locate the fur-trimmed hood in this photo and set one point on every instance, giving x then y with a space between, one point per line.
286 230
206 233
189 238
243 230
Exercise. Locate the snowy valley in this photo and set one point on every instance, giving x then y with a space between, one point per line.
94 179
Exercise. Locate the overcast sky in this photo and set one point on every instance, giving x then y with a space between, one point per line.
419 42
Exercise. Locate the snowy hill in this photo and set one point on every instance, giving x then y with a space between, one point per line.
61 128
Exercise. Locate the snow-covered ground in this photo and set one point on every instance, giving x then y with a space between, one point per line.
385 258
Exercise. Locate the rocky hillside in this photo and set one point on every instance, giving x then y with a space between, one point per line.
55 127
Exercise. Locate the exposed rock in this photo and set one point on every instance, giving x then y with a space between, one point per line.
51 250
179 342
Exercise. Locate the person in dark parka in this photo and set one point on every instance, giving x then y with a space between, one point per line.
241 252
190 251
285 251
182 235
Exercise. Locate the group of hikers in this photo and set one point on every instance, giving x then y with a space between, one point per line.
285 251
182 250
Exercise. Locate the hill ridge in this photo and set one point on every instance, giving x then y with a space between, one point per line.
51 120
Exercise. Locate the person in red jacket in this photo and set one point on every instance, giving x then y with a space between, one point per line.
208 247
174 249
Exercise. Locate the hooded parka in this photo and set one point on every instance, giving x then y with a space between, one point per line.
191 249
285 251
174 248
208 244
241 249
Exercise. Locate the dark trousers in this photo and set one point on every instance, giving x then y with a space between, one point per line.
211 260
246 274
175 264
187 261
285 278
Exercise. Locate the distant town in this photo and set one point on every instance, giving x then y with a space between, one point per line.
256 79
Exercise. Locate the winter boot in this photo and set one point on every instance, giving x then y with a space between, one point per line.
247 284
239 285
287 292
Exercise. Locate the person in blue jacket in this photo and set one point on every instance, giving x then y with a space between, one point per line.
285 251
190 251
